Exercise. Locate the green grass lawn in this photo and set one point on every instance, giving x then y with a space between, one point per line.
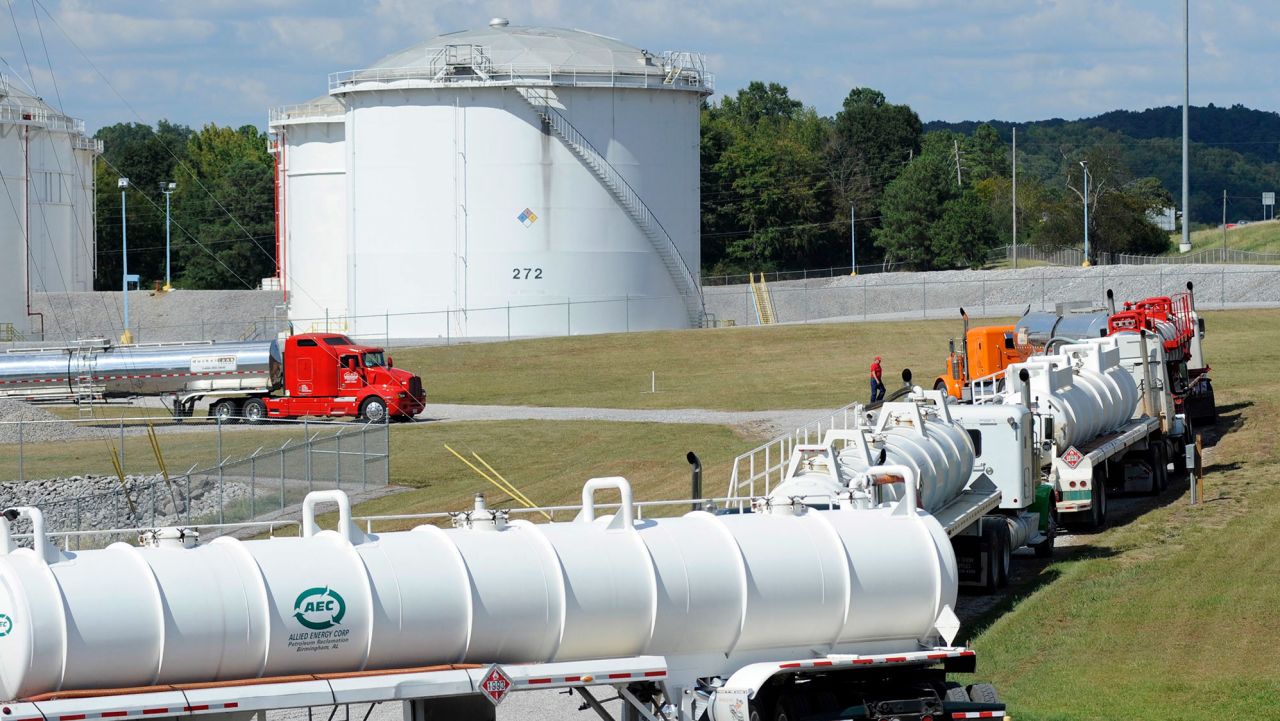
748 368
1256 237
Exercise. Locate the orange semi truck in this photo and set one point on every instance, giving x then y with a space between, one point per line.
984 353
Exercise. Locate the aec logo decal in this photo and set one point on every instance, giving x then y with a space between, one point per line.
6 625
319 608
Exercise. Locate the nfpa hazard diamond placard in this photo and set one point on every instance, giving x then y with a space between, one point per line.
496 684
1072 457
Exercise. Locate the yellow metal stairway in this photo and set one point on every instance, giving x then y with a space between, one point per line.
763 299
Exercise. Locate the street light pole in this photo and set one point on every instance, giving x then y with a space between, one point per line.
123 184
853 242
167 189
1185 245
1085 164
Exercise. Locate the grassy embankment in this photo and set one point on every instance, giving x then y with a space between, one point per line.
1257 237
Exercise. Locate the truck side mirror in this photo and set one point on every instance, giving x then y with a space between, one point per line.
351 363
391 363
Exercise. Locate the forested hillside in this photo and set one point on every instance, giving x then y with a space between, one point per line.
1235 149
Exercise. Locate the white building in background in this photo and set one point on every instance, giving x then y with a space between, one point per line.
509 180
47 207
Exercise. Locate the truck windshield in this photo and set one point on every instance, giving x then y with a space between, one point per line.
374 360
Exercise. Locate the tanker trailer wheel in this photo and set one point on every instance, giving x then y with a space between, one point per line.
1159 469
226 410
255 411
983 693
374 409
1098 511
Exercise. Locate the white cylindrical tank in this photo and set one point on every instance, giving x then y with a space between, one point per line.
922 437
709 587
1097 368
1084 391
501 181
311 197
47 169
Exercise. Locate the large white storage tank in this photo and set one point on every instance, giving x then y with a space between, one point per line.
46 212
509 180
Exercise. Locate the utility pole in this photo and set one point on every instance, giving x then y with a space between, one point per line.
1224 225
853 242
956 144
1015 197
1185 245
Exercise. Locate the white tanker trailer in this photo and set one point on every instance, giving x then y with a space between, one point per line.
783 612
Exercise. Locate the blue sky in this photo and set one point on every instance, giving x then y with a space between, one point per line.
227 61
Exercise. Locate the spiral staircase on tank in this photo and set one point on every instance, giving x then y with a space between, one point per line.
540 99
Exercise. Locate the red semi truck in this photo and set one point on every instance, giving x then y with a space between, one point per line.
311 374
329 375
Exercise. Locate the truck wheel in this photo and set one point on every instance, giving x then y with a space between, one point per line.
983 693
1044 549
1005 556
226 411
956 692
255 411
997 556
1098 512
1161 481
374 409
940 385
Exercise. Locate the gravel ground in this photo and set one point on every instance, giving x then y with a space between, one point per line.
770 423
38 425
898 296
101 505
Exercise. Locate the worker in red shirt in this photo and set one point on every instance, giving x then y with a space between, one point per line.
877 381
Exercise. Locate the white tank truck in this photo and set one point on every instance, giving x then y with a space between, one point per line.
977 468
998 472
777 614
1105 419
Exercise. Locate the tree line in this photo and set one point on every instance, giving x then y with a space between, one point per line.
784 188
222 217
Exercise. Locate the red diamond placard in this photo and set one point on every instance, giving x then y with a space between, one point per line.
496 684
1072 457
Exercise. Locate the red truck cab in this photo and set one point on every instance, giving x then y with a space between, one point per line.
327 374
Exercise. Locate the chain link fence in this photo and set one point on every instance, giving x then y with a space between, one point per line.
232 485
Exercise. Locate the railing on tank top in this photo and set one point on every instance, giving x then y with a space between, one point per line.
756 471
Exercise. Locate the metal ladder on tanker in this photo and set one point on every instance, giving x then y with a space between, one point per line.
86 393
541 99
763 300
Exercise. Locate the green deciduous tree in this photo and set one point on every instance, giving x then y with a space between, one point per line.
765 197
227 209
